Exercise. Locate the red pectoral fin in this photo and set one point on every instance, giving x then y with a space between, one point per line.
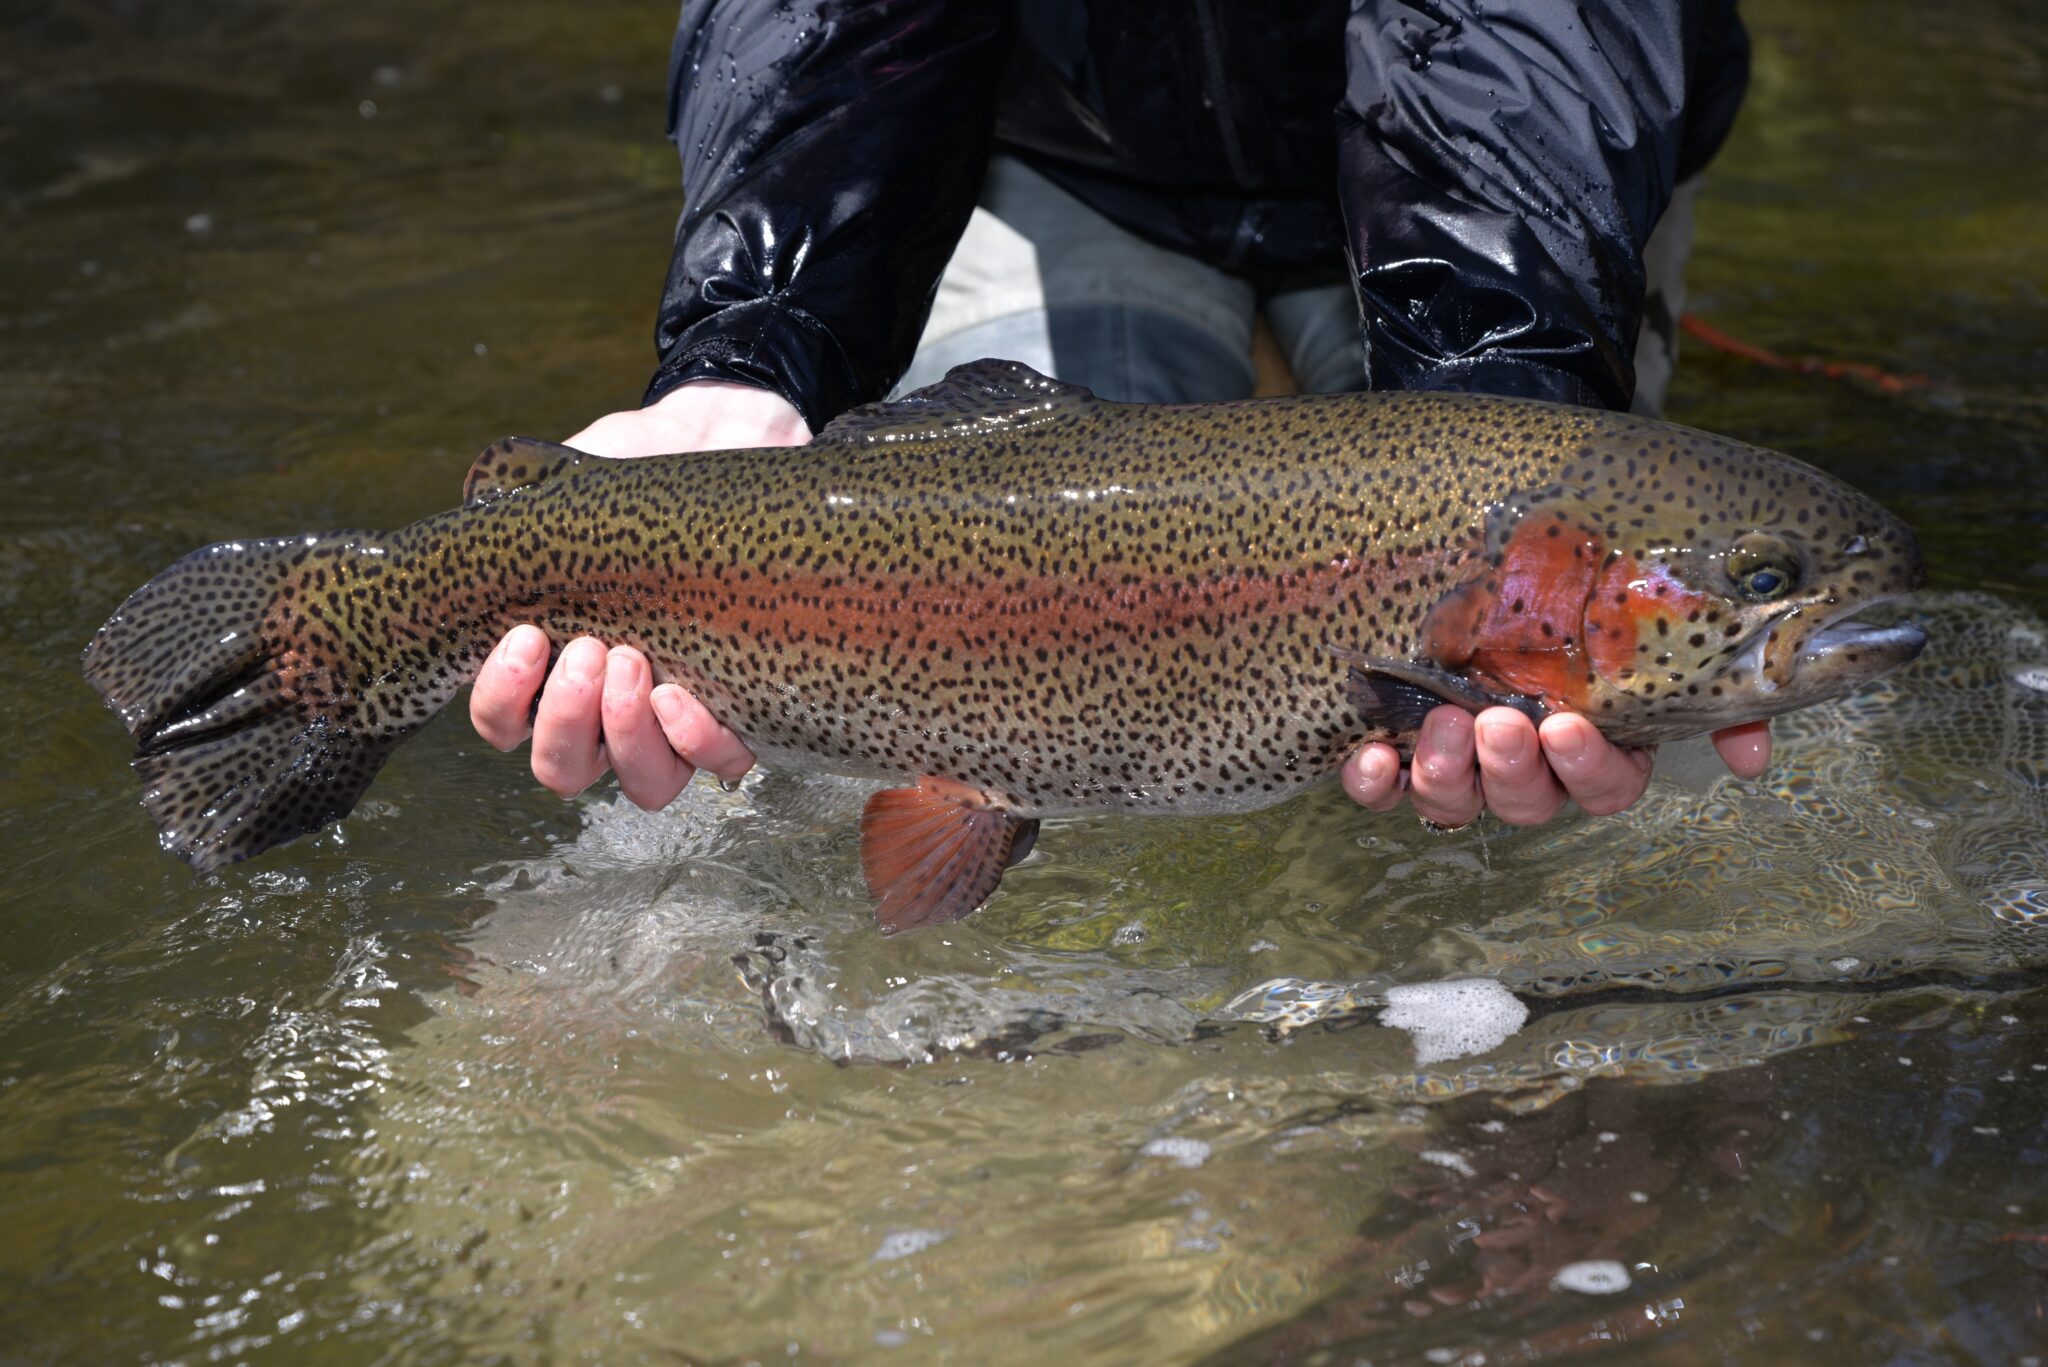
935 852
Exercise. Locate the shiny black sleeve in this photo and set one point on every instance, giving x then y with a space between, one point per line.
832 151
1501 167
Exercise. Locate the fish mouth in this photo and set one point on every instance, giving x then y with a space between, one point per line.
1839 655
1883 648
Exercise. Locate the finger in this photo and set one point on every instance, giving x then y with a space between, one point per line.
650 774
1443 778
566 757
1745 749
1518 786
697 735
1601 777
1372 777
501 700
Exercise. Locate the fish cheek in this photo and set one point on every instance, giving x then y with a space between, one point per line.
1651 633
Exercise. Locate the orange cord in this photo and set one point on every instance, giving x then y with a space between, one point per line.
1800 365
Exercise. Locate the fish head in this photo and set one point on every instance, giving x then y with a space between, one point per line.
1690 584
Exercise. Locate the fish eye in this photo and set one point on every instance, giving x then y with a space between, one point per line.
1765 584
1763 568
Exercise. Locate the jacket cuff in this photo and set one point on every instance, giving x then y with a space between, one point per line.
1506 376
766 344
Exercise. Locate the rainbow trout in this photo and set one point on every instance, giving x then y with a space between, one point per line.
1029 602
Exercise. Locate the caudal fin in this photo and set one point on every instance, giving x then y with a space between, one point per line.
250 722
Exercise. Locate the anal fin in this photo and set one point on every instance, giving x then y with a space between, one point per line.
934 853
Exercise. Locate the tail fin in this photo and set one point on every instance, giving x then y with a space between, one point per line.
252 724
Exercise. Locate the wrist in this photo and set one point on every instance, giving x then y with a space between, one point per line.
697 409
702 415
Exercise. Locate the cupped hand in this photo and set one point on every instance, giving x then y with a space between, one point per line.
599 709
1500 761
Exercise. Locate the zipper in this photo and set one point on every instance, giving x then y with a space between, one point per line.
1219 93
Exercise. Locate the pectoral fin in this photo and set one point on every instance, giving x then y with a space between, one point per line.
935 852
1398 694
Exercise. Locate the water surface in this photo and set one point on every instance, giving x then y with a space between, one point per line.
481 1076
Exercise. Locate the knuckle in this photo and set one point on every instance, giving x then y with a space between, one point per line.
621 712
574 706
570 697
695 727
1440 775
1508 776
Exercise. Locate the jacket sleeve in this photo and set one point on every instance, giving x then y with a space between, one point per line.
1501 167
831 153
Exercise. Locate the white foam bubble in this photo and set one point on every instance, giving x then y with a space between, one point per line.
901 1243
1189 1153
1594 1277
1454 1019
1444 1158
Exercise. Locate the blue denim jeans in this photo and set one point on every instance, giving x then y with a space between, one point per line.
1041 278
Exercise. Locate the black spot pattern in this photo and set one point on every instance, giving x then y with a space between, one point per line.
241 743
1065 603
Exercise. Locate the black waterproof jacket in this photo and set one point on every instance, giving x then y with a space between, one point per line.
1487 173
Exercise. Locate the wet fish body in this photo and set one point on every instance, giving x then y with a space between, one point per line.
1035 603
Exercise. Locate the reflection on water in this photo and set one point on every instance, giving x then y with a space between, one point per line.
479 1076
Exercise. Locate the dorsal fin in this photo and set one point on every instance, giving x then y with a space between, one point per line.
980 396
515 463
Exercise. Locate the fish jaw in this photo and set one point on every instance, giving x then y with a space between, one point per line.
1834 662
1836 658
1855 643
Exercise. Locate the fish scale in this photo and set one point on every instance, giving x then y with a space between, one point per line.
1033 603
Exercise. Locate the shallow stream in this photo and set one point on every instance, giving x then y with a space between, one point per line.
480 1076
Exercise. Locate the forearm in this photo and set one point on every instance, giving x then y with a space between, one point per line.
829 167
1501 171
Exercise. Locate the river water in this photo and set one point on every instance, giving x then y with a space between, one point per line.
480 1076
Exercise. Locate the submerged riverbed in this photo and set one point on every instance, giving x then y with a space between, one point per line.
481 1076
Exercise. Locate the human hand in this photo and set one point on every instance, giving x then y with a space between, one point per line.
1502 762
598 708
